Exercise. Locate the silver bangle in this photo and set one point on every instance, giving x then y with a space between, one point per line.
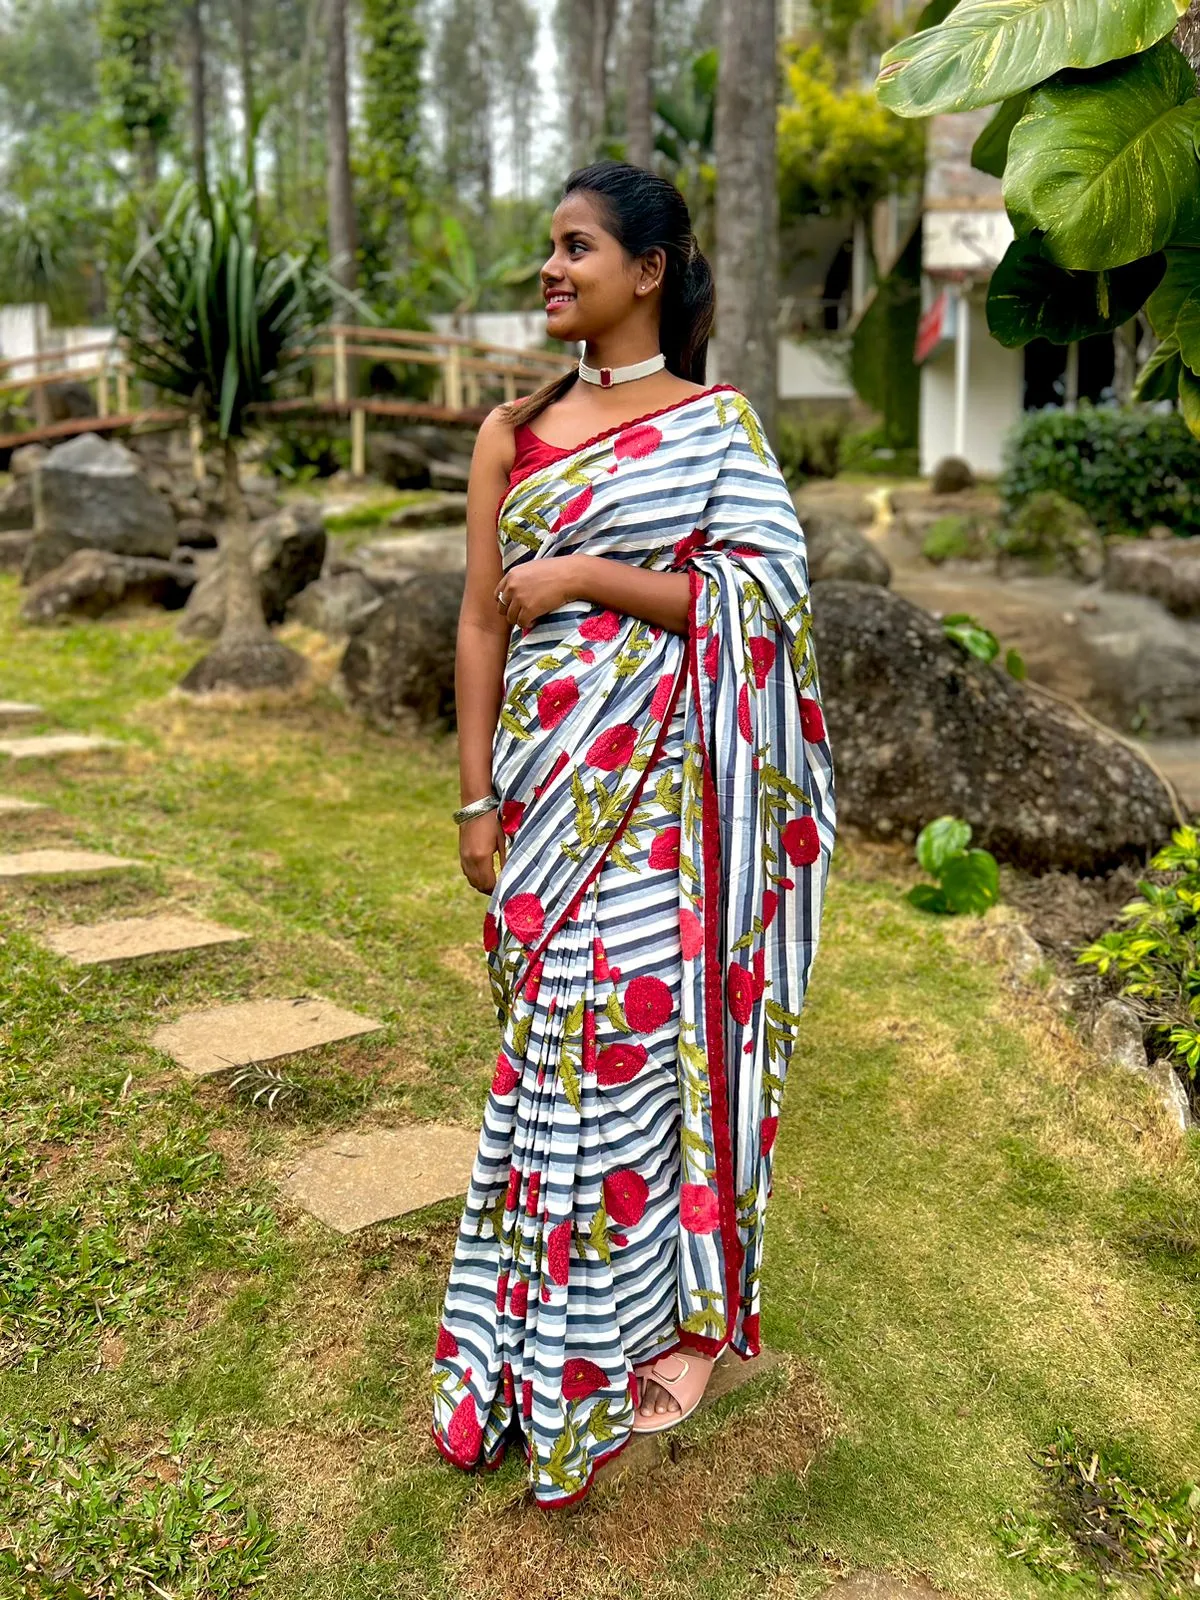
477 808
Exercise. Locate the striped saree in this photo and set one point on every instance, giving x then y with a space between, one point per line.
670 811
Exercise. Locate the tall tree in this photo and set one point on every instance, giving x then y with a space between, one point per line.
584 28
462 92
514 28
138 79
392 47
747 210
343 234
198 98
639 83
244 18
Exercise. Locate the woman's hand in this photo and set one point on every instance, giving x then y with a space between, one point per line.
535 588
478 842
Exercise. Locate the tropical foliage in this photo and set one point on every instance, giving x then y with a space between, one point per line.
968 880
1095 138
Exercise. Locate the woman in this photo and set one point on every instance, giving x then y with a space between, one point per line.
642 748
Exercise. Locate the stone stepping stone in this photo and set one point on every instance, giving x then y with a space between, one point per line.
879 1586
647 1451
55 744
48 863
18 711
127 938
10 805
250 1031
358 1178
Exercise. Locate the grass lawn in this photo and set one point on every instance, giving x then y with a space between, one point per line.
976 1238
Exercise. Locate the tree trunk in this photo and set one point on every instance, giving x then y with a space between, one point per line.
343 239
586 26
747 209
246 656
604 14
245 33
1187 35
639 84
195 30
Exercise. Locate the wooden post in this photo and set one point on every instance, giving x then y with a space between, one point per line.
122 390
341 381
196 442
454 397
102 391
510 388
472 387
358 442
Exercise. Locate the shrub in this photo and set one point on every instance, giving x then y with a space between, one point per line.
952 538
1126 468
809 447
968 880
1053 532
868 450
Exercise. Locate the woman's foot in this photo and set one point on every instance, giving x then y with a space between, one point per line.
670 1388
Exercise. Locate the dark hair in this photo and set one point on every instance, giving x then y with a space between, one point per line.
641 211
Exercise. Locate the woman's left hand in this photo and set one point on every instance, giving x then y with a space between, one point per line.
535 588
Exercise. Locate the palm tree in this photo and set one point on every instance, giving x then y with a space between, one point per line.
211 317
747 270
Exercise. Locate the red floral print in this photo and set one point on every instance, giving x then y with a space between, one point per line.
770 1126
762 657
447 1344
501 1291
664 850
662 697
527 1398
558 1251
743 714
514 1189
531 1199
464 1435
508 1383
491 932
589 1041
750 1329
511 812
757 972
740 990
698 1209
625 1195
691 934
506 1077
533 983
801 841
769 906
647 1004
519 1299
556 700
560 762
525 918
599 962
686 546
633 443
602 628
613 748
581 1378
710 657
573 509
619 1063
812 723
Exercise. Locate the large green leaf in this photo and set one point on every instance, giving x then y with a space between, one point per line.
990 151
936 11
1174 307
1106 166
1189 400
987 50
1159 378
1031 297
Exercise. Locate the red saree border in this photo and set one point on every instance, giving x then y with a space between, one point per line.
714 1014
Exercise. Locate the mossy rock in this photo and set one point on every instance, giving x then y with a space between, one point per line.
954 538
1052 534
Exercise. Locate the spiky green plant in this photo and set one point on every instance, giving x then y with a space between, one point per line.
210 314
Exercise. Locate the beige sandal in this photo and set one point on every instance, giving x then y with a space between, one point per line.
684 1379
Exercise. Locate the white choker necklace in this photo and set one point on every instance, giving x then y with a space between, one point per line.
607 376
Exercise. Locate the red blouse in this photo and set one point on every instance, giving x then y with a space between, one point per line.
531 455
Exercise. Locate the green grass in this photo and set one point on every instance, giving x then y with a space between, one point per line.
976 1238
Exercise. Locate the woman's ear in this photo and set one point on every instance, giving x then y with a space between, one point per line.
653 266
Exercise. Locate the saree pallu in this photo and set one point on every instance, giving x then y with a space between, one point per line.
669 806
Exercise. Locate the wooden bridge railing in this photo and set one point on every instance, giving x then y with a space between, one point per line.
471 374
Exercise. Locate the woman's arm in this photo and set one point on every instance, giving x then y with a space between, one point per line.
483 635
536 587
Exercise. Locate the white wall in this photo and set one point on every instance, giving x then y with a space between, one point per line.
994 401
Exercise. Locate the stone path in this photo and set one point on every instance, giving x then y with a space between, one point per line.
208 1041
127 939
18 711
11 804
357 1178
55 744
48 863
879 1586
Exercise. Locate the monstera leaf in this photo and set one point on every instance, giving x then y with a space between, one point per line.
990 151
1174 307
1031 297
987 50
1159 378
1106 166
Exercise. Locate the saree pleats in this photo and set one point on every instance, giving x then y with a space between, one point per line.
670 809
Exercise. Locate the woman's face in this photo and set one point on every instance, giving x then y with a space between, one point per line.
589 285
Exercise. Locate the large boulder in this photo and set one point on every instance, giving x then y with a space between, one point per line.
91 582
287 552
16 504
14 547
89 494
69 400
919 728
839 549
397 460
337 604
1166 570
394 559
399 669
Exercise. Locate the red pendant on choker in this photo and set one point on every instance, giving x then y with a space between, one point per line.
606 377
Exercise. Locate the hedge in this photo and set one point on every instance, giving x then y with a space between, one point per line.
1128 468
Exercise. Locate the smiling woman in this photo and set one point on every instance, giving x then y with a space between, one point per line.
642 748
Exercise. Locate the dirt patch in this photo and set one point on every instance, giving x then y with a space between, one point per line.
506 1545
880 1586
1064 912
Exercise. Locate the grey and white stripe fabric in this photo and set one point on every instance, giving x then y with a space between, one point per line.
670 806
